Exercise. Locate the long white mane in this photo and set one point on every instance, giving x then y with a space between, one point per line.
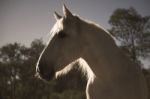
82 65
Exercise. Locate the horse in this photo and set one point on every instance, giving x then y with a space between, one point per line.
110 74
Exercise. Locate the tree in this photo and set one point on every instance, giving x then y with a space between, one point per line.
12 56
36 48
12 53
132 30
17 69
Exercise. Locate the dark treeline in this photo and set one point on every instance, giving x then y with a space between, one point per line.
17 69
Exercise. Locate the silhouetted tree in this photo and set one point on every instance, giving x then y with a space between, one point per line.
132 30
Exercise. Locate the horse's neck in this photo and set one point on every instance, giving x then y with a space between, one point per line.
96 34
102 54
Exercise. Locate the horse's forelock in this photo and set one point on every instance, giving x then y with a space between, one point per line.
56 29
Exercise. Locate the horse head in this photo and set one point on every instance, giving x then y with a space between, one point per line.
64 46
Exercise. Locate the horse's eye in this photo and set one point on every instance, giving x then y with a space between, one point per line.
62 34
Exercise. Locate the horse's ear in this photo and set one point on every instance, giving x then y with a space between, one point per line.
66 12
57 16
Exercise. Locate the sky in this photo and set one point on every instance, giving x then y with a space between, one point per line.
25 20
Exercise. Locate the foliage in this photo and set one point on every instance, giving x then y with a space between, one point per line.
132 30
17 69
147 77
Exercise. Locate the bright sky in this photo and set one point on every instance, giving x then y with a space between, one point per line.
24 20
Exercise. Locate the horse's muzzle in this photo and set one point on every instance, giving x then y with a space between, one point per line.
46 75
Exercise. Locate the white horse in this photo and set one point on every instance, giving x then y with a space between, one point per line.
110 74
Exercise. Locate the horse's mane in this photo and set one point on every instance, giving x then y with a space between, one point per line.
82 65
55 30
59 26
98 27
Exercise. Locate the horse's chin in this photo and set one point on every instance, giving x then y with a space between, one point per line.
46 77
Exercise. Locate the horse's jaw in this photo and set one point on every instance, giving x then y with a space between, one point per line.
46 79
46 74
